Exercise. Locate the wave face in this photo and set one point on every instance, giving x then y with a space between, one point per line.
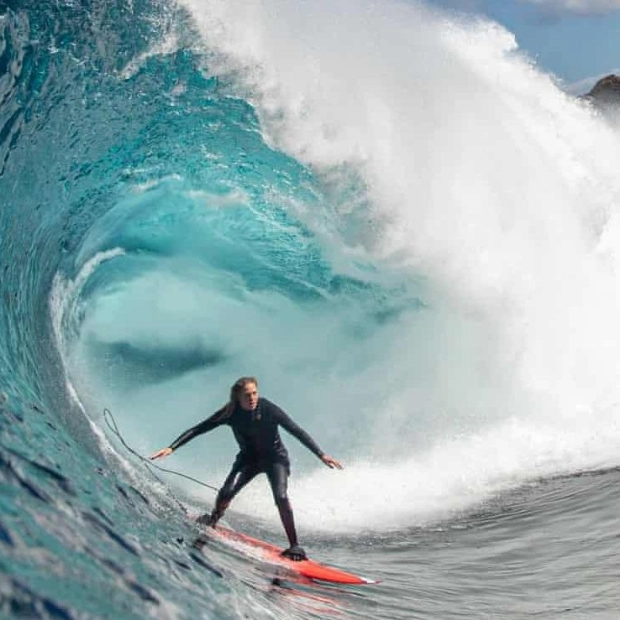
388 214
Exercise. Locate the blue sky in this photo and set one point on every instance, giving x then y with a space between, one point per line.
576 40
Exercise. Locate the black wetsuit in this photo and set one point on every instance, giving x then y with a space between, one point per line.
261 450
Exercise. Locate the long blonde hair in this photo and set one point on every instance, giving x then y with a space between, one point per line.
235 390
237 386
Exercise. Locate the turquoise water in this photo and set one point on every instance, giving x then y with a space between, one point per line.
417 259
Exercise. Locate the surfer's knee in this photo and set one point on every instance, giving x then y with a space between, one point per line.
280 492
225 495
279 485
282 500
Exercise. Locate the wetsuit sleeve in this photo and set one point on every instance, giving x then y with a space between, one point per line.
217 419
294 429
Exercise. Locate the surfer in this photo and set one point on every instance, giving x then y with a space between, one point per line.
254 421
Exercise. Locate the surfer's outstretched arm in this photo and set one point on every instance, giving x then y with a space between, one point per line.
161 453
218 418
294 429
331 462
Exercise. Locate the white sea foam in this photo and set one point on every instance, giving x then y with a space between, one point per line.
492 185
65 293
486 189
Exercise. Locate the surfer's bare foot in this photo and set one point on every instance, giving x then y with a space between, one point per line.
295 553
206 519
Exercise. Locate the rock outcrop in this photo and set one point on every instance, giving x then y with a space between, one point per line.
606 92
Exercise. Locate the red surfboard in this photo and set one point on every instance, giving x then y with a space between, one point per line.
271 554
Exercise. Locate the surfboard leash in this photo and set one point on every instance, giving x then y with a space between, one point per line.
111 422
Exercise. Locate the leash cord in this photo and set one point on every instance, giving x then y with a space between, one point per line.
107 414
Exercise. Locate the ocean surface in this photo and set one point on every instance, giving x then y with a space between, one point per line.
391 216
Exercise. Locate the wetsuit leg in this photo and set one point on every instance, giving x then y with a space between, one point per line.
278 478
238 477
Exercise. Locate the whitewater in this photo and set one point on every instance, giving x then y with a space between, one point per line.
389 214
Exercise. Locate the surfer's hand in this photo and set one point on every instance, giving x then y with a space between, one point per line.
161 453
330 462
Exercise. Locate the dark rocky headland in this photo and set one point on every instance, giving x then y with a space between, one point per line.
605 94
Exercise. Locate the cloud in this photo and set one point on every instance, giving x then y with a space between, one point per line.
462 5
581 7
